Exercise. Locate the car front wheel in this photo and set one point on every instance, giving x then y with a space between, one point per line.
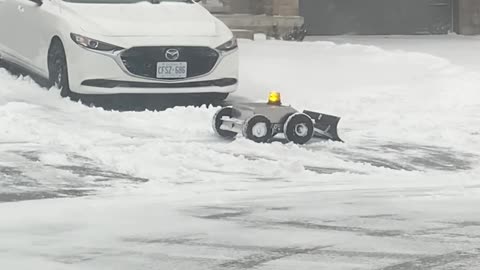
57 67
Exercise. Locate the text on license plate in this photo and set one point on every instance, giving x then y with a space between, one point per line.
169 70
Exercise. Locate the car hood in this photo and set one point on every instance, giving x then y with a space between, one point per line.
144 19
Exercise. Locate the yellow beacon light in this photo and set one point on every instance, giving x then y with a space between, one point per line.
274 98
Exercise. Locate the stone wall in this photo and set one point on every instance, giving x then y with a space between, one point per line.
258 7
261 23
285 7
469 17
240 7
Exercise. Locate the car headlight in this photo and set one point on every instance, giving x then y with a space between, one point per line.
229 45
93 44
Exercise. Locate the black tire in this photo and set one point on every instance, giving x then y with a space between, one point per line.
298 128
217 122
251 131
58 69
220 97
214 99
4 64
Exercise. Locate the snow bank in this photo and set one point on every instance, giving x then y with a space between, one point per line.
410 121
384 97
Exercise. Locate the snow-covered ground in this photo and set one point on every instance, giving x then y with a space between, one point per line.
85 188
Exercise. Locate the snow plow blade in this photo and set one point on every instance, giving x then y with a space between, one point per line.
326 126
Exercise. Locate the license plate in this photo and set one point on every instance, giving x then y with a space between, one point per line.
171 70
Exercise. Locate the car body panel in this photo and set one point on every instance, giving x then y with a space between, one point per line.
6 13
34 32
94 63
178 24
164 19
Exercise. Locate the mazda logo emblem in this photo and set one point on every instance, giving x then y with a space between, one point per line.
172 54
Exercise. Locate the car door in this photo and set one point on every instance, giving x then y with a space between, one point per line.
33 36
7 26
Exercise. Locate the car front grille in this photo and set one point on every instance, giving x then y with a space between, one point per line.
142 61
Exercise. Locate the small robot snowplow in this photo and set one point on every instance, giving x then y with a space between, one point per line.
261 122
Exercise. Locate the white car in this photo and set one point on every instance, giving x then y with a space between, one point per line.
121 46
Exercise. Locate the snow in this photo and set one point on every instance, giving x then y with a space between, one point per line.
85 188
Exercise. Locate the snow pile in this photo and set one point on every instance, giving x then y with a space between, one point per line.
384 97
392 95
410 121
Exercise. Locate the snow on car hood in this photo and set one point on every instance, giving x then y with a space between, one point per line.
144 19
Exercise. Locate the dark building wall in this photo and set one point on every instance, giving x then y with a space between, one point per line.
468 17
331 17
433 16
377 17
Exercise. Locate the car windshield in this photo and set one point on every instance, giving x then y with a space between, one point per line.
124 1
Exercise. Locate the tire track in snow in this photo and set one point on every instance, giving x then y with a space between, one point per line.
25 176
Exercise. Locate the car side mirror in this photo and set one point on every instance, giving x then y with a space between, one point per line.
38 2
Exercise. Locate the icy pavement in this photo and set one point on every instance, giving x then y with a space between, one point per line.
84 188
